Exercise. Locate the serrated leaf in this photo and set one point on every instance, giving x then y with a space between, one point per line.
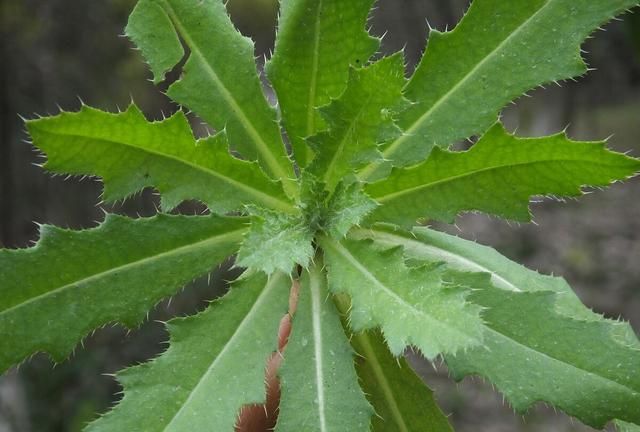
360 119
347 207
413 306
215 364
317 41
531 353
499 50
72 282
498 175
533 349
424 244
276 241
403 403
320 390
130 153
219 79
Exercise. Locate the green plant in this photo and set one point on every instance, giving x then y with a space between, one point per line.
369 157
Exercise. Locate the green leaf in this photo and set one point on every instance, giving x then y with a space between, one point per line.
320 390
500 50
498 175
276 241
413 306
347 207
316 43
626 427
403 403
215 364
72 282
360 119
424 244
219 79
130 153
532 348
531 353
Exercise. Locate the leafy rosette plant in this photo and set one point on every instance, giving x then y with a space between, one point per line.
329 189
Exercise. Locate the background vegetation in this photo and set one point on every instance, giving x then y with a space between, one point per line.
58 51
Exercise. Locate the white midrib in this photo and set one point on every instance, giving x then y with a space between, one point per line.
388 197
313 82
371 277
562 362
263 197
316 311
273 282
262 146
370 169
378 370
227 237
466 263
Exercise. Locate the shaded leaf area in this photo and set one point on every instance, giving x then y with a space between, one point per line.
130 153
412 305
194 385
317 41
469 74
402 401
359 120
320 390
224 72
576 366
498 175
55 293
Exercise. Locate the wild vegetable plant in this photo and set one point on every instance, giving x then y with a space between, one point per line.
332 188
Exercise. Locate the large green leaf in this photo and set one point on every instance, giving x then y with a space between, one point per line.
412 305
130 153
403 403
215 364
500 50
320 390
219 80
531 353
424 244
498 175
360 119
317 41
72 282
535 332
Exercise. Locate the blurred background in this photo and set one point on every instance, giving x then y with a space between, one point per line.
56 52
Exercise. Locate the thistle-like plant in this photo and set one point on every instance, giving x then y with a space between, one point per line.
326 189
